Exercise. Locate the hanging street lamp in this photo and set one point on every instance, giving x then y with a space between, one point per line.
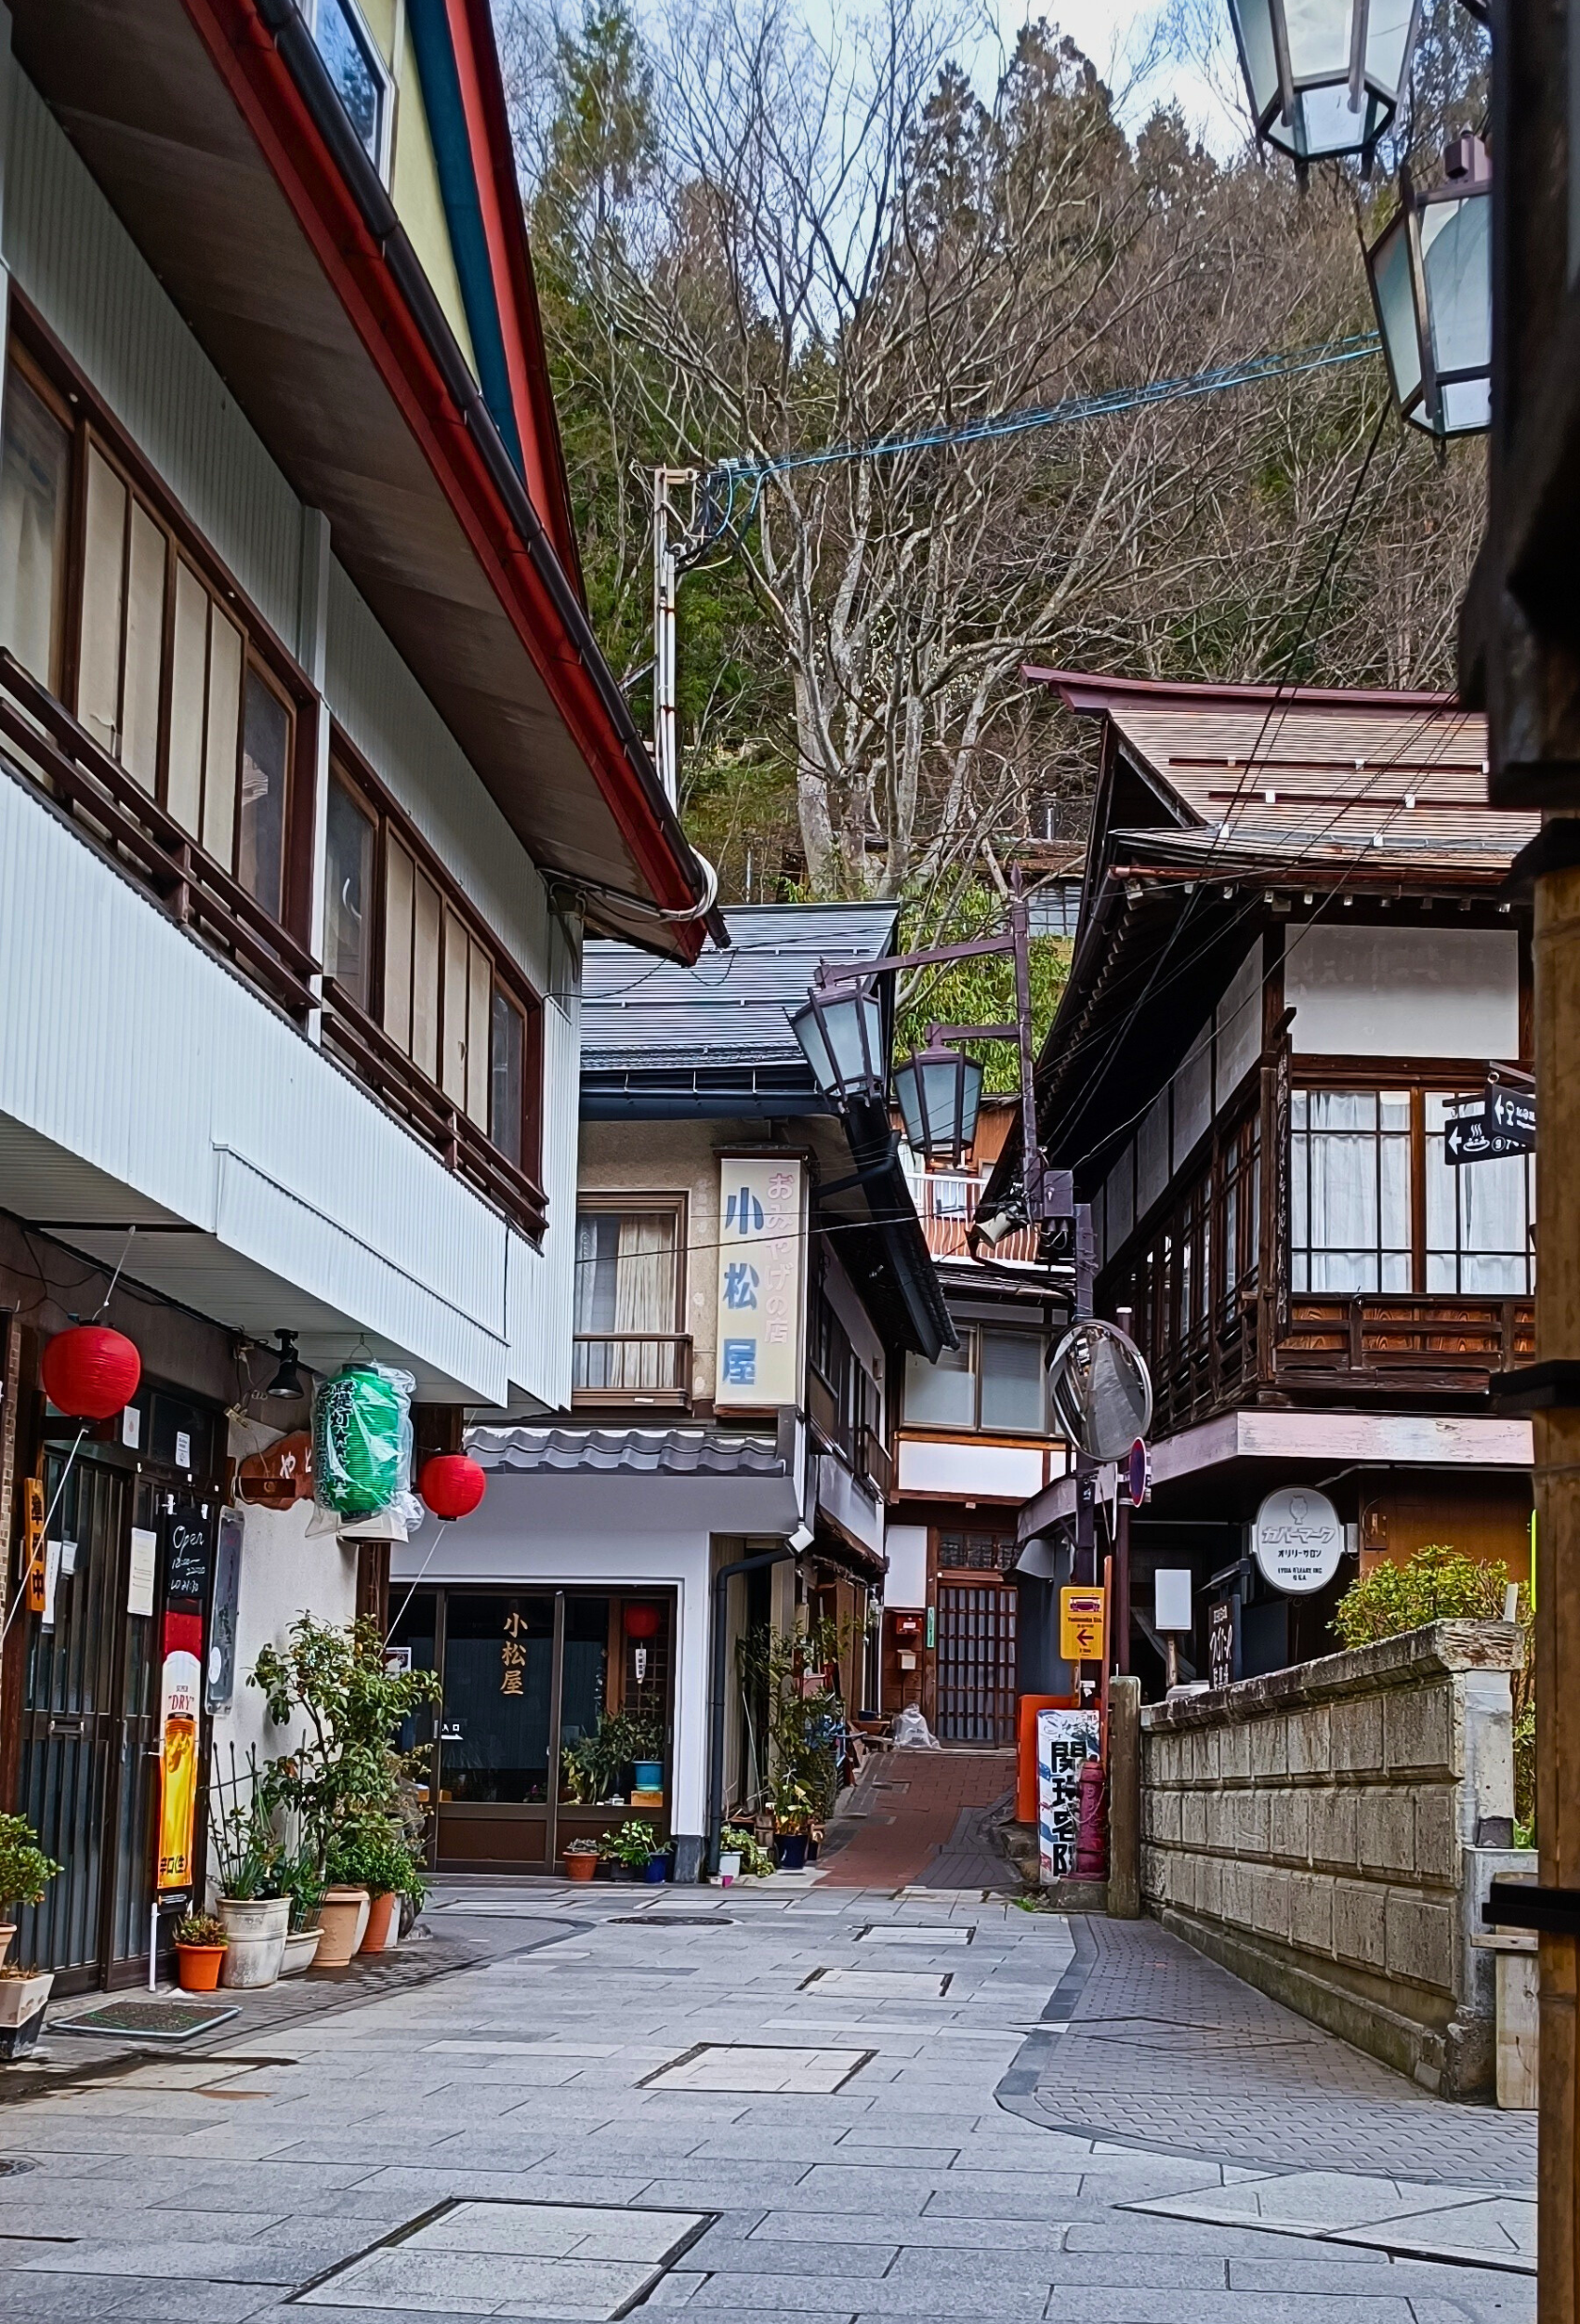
1324 76
940 1094
1432 281
841 1029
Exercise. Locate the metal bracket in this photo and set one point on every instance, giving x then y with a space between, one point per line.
1522 1905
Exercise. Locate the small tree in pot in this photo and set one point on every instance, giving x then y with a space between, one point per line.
25 1873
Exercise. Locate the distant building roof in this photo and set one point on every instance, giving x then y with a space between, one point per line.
717 1038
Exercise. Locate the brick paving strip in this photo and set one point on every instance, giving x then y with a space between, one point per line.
506 2142
919 1816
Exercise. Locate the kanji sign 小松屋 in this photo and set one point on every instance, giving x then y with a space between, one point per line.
762 1238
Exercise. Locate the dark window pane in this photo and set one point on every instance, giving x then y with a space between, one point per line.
32 530
498 1651
348 926
586 1657
356 78
506 1044
266 758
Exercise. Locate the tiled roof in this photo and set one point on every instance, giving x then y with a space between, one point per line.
633 1451
639 1014
1328 777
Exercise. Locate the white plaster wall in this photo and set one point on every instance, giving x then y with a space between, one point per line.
284 1575
1405 992
906 1581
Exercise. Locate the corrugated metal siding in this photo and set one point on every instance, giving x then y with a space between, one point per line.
543 1284
125 1044
395 726
72 258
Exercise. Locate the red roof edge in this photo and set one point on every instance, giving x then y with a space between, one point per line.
1087 692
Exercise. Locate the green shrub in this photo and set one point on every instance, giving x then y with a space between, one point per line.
1437 1585
25 1870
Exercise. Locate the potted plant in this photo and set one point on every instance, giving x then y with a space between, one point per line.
372 1856
302 1883
246 1855
739 1853
25 1873
580 1860
201 1946
632 1850
793 1809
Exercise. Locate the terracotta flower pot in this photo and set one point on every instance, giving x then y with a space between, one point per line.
342 1917
580 1867
198 1967
381 1912
8 1932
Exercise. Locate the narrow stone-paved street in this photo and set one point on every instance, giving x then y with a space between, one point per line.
790 2100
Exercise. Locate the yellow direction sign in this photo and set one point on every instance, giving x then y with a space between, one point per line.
1080 1625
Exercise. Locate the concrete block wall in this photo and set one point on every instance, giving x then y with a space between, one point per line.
1328 1833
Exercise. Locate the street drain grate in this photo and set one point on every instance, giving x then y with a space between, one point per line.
148 2020
758 2070
926 1933
492 2256
670 1921
12 2166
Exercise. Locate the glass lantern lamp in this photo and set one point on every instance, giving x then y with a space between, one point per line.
940 1095
1323 75
1430 273
840 1027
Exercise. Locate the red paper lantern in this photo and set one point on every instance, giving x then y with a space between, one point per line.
641 1621
452 1484
91 1372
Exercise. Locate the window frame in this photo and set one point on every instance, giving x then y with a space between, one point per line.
610 1203
360 31
973 1334
65 390
348 766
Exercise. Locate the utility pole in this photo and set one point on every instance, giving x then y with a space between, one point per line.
668 529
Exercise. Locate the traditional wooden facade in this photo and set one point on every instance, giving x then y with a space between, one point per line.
1296 956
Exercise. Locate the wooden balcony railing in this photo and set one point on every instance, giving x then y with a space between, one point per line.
406 1090
110 805
625 1368
1378 1338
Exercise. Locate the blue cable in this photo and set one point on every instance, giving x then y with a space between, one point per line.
719 487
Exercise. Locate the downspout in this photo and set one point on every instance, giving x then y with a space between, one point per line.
721 1582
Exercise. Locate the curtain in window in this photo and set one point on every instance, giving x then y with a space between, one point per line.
1478 1217
1350 1190
644 1296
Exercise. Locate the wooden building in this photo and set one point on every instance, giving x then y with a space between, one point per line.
1296 959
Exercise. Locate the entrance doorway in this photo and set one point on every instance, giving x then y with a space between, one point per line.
976 1661
551 1698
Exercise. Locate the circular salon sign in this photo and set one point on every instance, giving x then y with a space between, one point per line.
1300 1539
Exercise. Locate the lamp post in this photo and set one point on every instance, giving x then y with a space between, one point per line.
1431 271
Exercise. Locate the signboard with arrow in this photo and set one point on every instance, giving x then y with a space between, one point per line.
1504 1123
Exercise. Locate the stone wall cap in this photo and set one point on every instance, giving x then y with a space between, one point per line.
1438 1648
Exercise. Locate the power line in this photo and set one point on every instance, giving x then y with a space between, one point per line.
742 479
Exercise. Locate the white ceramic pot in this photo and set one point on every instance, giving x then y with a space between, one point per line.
300 1947
255 1927
728 1868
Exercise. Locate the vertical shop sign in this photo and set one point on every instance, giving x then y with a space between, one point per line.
222 1619
1066 1740
189 1535
761 1242
512 1656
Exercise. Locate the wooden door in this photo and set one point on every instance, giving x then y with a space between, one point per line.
975 1662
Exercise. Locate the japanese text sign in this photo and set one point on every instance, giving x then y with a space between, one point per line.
761 1238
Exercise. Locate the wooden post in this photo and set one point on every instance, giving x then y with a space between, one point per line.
1557 954
1125 1799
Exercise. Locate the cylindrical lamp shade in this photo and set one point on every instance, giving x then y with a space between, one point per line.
841 1031
1323 75
89 1372
940 1094
1430 273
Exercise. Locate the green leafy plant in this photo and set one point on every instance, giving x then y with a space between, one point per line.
301 1879
734 1841
595 1764
201 1928
25 1870
246 1851
372 1854
802 1728
632 1845
793 1808
346 1778
1435 1585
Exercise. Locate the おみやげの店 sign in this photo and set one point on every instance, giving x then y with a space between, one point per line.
761 1236
1300 1539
